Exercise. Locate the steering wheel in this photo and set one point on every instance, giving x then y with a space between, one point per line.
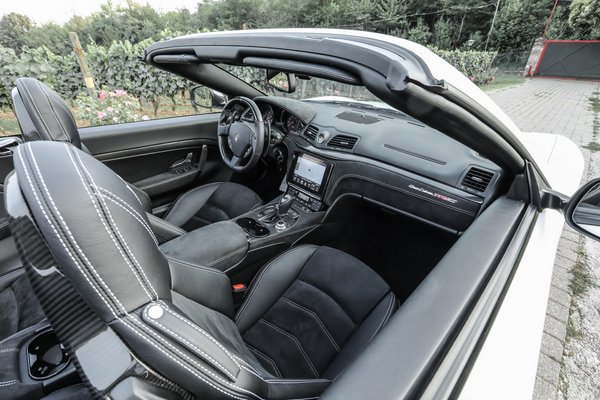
241 142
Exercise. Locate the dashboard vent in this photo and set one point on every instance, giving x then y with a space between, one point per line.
477 179
342 142
311 132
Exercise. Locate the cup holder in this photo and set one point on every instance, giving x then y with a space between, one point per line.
252 227
46 356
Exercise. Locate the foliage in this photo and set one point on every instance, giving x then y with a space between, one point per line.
52 36
443 34
33 63
13 28
390 16
448 24
519 23
583 19
111 107
476 65
419 33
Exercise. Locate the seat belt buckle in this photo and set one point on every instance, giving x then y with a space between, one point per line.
239 292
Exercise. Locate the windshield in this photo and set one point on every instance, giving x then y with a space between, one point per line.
307 88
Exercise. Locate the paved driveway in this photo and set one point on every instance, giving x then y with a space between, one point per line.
569 363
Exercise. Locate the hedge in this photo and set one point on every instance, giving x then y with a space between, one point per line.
118 67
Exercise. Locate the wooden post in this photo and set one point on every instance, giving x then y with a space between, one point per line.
82 60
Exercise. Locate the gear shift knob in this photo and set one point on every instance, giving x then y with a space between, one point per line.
285 203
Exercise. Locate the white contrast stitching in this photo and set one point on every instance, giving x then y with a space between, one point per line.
8 383
112 237
137 274
202 331
109 292
143 336
124 205
222 368
22 156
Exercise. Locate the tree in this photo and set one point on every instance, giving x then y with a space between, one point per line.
13 28
584 19
519 22
559 27
357 14
53 36
420 32
443 33
391 16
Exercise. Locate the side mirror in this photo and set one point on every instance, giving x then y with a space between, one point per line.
201 96
583 210
281 81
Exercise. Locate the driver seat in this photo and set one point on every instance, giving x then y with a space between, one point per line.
44 115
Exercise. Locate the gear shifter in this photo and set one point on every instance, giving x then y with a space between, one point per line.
285 203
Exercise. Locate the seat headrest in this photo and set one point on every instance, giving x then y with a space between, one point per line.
42 113
94 225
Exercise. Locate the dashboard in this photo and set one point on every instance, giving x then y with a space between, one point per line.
340 147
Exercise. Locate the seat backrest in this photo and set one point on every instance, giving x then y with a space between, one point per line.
42 113
100 241
96 228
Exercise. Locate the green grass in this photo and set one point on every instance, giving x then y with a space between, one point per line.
581 276
592 146
503 81
595 103
8 124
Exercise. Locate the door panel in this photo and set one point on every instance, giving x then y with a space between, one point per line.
6 166
162 157
9 259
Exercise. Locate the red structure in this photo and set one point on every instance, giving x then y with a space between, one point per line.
578 59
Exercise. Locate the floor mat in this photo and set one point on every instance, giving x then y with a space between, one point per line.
400 249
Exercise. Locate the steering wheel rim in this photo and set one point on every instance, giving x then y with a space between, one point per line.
235 137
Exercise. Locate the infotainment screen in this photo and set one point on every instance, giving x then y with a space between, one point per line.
309 172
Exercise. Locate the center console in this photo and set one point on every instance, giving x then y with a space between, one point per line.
306 180
230 245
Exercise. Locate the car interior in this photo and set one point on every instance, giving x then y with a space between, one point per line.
253 252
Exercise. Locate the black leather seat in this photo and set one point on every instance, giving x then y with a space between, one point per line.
44 115
307 315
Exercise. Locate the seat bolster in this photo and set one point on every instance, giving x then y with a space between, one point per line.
363 335
271 282
163 230
141 196
207 286
189 203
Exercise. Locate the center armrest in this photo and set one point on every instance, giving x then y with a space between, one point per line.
220 245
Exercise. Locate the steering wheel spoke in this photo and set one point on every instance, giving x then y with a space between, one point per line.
235 161
222 130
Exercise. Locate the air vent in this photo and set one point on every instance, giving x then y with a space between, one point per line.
342 142
311 132
477 179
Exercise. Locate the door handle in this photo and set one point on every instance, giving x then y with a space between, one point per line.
183 162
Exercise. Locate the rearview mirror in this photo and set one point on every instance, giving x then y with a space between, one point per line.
201 96
583 210
281 81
